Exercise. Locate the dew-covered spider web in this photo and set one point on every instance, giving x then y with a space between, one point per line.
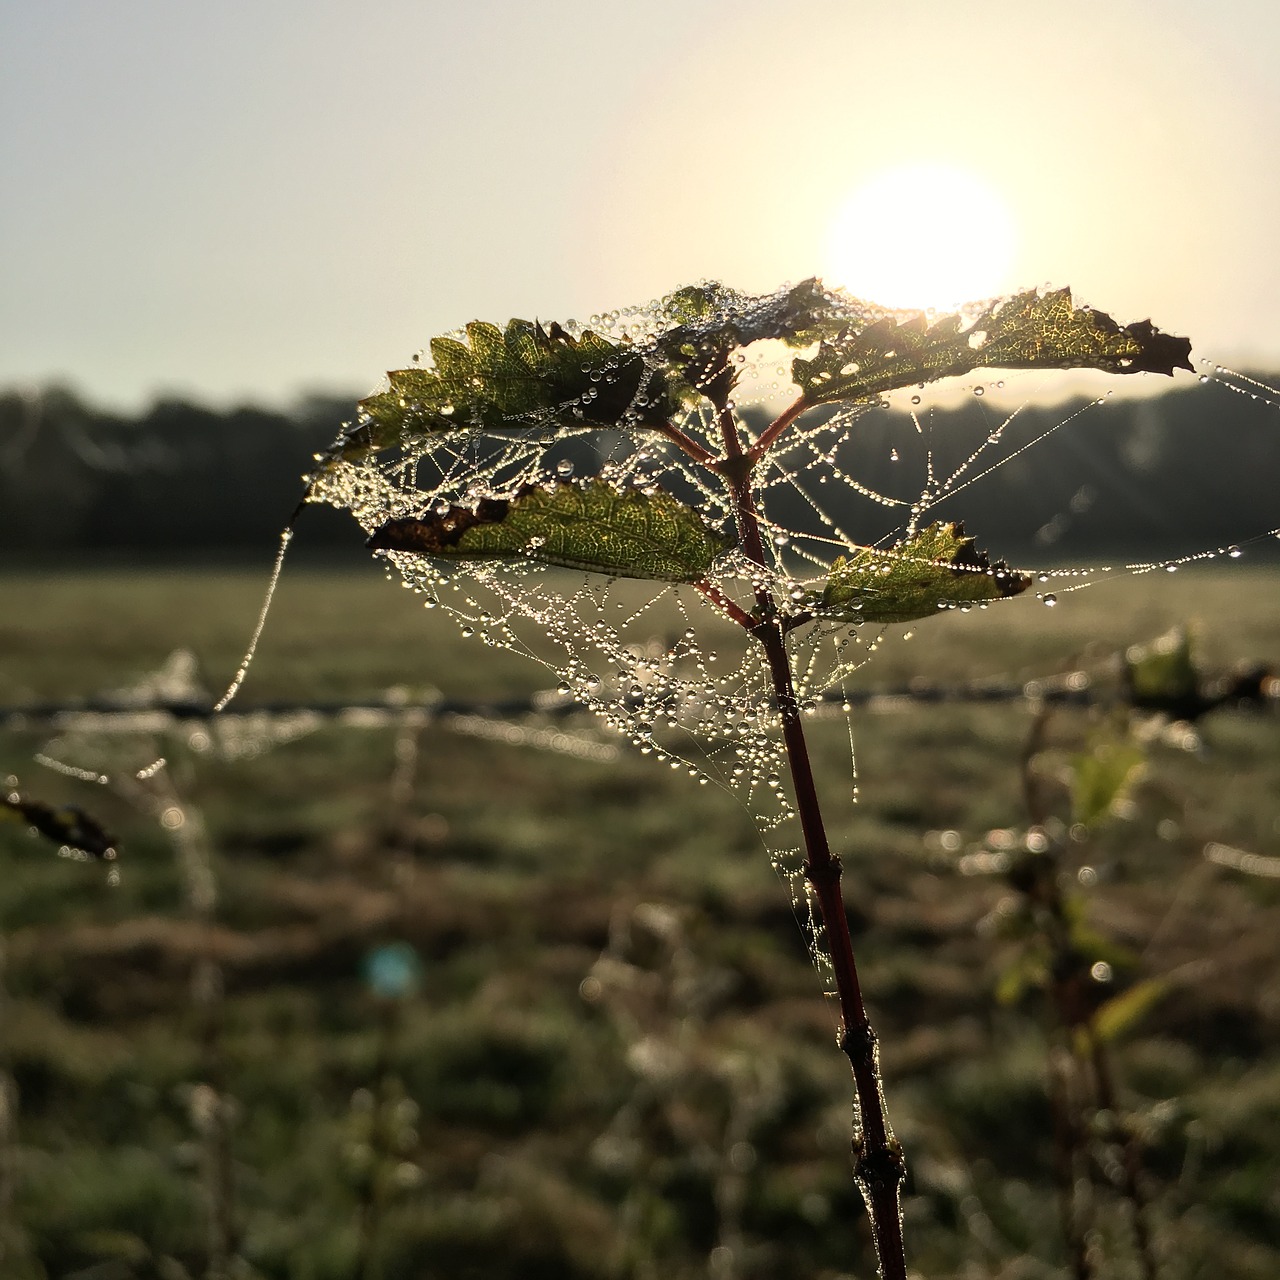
649 646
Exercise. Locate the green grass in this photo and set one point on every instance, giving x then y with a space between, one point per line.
618 1029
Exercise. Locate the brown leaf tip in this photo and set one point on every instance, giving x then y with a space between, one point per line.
436 532
1159 352
970 559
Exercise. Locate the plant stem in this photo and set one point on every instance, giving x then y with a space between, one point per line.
1067 1147
1131 1155
879 1167
685 442
1077 1024
776 428
728 606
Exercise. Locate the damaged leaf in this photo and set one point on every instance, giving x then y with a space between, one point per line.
713 321
590 526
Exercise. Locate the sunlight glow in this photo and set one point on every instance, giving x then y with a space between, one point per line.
921 236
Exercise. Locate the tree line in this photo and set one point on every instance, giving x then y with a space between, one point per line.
1161 476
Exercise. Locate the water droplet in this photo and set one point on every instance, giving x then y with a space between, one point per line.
893 455
980 391
1050 600
915 399
1234 552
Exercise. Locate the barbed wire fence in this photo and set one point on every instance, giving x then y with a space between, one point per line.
1250 687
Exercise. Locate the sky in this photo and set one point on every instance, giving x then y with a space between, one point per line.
252 200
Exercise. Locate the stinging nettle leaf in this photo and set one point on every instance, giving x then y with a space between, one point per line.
593 526
713 312
1030 330
713 321
935 567
514 379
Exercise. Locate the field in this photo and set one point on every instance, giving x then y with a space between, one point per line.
409 997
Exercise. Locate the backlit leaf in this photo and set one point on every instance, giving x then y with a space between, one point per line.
935 567
712 311
1122 1013
1102 778
525 376
1163 674
591 526
713 321
1027 331
1028 971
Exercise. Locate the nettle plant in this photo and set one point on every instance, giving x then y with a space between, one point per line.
527 477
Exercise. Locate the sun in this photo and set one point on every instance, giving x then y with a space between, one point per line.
920 237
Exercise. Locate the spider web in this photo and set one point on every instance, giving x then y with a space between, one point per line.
658 663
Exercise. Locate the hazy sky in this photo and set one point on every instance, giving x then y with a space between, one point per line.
245 200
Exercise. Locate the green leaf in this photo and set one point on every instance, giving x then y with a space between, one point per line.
1122 1013
936 566
1102 777
1028 971
64 825
525 376
591 526
713 312
713 321
1027 331
1164 673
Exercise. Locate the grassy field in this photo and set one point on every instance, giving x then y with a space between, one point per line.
616 1060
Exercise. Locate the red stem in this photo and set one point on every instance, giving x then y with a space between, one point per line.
879 1167
686 443
775 429
729 607
736 467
